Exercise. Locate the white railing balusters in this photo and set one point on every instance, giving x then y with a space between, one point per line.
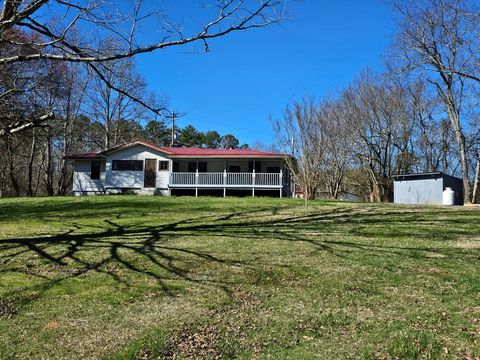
226 179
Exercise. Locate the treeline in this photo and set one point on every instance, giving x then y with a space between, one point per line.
418 115
189 136
84 113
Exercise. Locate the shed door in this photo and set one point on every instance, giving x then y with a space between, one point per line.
150 173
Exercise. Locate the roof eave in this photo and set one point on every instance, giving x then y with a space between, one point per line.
73 157
438 173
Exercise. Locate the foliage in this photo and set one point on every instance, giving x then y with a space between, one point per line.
157 133
190 137
212 139
229 141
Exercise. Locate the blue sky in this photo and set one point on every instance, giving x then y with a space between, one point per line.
249 75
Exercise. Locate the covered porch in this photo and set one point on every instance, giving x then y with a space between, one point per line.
225 174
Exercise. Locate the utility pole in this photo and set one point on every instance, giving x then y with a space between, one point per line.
173 115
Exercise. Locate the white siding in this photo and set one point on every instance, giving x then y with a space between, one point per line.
163 177
134 179
418 191
81 177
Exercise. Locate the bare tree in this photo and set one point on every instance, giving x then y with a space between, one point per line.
437 37
110 108
378 114
299 134
72 31
338 137
476 179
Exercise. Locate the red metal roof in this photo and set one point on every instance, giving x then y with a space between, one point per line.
181 152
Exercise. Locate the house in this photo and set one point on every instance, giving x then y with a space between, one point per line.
145 168
426 188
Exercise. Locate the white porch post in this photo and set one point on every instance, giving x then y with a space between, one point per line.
224 182
225 169
196 181
281 182
253 180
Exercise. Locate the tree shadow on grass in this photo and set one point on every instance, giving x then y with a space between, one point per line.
154 252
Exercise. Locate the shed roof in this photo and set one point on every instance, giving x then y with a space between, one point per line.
418 176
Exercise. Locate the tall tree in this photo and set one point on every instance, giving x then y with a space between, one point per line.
377 112
338 137
190 136
436 37
157 133
111 109
299 135
212 139
229 141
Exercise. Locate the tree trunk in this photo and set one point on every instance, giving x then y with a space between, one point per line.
49 168
30 165
460 137
374 185
444 146
475 183
13 179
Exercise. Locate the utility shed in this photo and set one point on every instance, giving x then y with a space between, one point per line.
426 188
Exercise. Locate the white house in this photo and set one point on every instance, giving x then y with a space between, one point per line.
141 167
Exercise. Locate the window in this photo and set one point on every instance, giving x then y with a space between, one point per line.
234 168
95 170
258 166
127 165
273 169
202 167
163 165
176 166
192 166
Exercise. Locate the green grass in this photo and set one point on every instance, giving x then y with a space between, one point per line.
149 277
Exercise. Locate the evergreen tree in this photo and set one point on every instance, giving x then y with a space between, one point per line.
230 142
157 133
189 136
212 139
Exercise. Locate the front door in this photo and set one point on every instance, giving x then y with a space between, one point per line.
150 173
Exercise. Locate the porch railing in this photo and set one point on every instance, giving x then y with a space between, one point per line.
226 179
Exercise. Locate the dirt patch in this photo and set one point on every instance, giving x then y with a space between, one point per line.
435 255
52 325
7 309
198 344
471 243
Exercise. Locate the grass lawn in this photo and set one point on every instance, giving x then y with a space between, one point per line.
125 277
